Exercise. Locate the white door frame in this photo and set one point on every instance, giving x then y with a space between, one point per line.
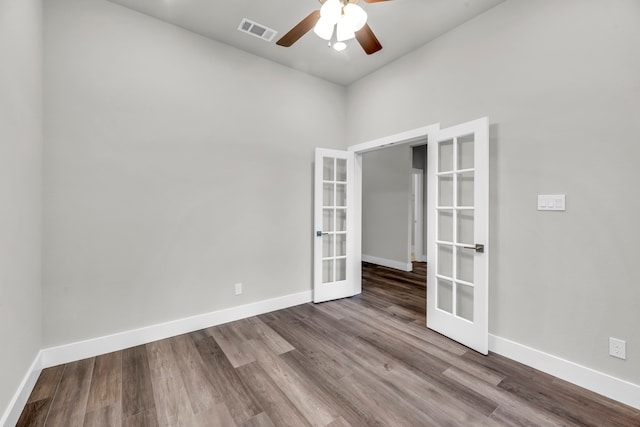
411 136
417 187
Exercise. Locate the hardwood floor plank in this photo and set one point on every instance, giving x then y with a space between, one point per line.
440 405
236 395
260 420
511 409
339 422
353 410
106 382
217 415
312 346
34 413
384 405
47 383
270 337
615 413
70 399
298 391
422 341
201 392
137 390
173 406
227 339
567 406
280 410
38 404
141 419
372 317
104 416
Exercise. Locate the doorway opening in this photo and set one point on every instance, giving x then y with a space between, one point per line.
394 228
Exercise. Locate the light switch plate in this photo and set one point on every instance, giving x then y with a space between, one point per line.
551 202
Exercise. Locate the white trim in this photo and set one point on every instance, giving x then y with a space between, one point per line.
19 400
410 136
93 347
596 381
398 265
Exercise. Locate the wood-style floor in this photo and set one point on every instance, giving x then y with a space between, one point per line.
362 361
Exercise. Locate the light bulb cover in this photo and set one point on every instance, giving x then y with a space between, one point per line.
355 16
324 28
331 11
344 31
339 46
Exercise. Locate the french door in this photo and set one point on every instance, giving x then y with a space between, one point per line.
335 260
458 230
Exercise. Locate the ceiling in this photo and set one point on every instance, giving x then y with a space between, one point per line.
400 25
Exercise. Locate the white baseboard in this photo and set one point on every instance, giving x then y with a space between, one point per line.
596 381
398 265
13 411
93 347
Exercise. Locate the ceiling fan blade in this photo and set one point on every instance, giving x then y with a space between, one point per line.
374 1
299 30
368 40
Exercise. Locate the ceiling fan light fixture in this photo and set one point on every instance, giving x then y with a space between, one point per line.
331 11
324 28
339 46
355 16
344 31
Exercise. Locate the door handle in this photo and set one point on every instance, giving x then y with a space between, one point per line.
478 248
320 233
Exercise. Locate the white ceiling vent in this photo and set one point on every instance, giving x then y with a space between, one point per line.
257 30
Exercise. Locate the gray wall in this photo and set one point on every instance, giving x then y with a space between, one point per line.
560 81
175 167
20 190
386 203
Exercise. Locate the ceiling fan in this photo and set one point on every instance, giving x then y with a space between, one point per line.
337 21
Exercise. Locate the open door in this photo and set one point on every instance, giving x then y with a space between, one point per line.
458 250
334 249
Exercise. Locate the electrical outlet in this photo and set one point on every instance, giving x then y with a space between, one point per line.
238 288
617 348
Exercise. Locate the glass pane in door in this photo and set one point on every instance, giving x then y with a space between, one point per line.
464 301
327 219
341 194
341 170
327 271
445 156
328 169
464 264
445 260
445 295
464 227
341 269
327 194
341 220
445 225
445 190
465 152
464 189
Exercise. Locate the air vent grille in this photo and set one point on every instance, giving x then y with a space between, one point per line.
257 30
